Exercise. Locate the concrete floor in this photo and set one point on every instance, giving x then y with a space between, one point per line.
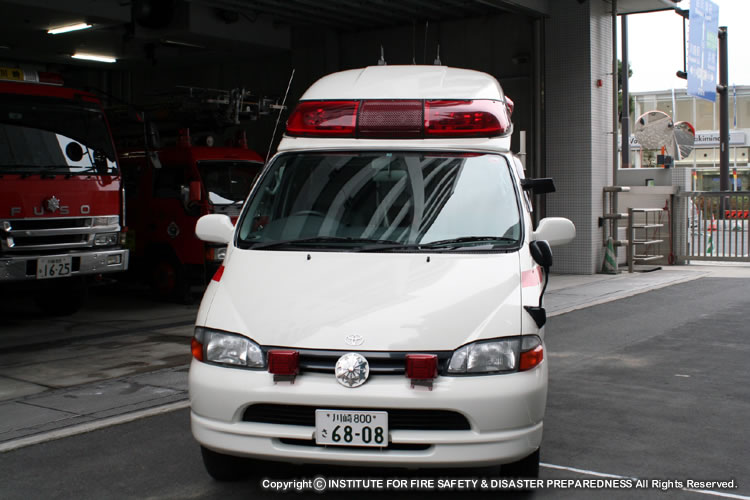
652 386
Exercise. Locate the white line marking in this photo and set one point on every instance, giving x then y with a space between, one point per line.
91 426
616 476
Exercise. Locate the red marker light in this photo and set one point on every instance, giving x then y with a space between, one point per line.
50 78
196 348
218 274
283 362
421 366
531 358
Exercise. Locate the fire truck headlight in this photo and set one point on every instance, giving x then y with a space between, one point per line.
111 220
104 239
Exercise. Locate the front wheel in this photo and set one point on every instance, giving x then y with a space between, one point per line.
63 298
224 467
526 468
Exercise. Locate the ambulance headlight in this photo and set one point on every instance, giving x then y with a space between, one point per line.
229 349
503 355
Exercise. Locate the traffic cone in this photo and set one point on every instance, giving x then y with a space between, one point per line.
610 258
712 227
710 245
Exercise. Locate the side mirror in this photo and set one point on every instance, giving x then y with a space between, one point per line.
556 230
542 185
541 253
215 228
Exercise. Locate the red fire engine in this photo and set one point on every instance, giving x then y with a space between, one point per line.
168 190
61 198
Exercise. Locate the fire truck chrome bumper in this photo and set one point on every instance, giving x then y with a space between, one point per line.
21 268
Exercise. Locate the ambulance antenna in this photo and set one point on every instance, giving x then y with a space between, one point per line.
281 109
426 29
381 61
437 59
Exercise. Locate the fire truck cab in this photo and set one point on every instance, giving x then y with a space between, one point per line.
61 199
166 194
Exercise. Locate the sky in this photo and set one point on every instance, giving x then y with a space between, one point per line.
655 46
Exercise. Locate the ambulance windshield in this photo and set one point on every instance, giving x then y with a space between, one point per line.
384 201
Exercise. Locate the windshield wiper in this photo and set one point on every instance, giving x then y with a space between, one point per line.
440 244
470 239
319 240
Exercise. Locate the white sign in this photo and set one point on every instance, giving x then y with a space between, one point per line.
707 139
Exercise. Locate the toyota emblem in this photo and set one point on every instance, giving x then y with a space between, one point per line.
354 339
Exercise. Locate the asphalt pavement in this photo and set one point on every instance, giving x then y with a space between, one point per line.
649 384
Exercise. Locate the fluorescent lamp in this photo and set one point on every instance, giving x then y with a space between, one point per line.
66 29
94 57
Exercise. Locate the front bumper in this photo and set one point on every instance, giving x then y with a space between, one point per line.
505 414
23 267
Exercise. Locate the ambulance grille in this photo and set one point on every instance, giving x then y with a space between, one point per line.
391 446
398 419
381 363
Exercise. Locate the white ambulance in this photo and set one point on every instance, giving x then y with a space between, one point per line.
380 303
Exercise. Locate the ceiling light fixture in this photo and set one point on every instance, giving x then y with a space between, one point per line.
94 57
66 29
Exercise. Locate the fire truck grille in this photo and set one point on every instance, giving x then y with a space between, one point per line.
49 235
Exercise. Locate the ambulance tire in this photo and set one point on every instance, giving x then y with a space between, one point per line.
223 467
64 298
526 468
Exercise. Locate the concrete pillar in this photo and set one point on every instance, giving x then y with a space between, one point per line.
578 116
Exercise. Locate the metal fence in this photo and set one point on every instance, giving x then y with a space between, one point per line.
718 224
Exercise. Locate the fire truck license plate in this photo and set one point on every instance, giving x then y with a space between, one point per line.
53 267
351 428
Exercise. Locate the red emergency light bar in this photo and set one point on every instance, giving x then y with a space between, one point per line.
400 119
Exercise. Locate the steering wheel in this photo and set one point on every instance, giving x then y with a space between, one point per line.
317 213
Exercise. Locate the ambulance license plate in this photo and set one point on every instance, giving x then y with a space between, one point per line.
351 428
53 267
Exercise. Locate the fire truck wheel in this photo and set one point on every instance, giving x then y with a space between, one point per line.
63 299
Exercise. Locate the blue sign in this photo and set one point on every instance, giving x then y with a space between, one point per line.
702 49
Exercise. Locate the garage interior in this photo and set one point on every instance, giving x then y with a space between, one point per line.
546 54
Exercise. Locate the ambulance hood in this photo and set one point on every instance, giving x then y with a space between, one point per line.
394 301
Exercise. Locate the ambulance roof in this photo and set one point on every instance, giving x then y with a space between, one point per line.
406 82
